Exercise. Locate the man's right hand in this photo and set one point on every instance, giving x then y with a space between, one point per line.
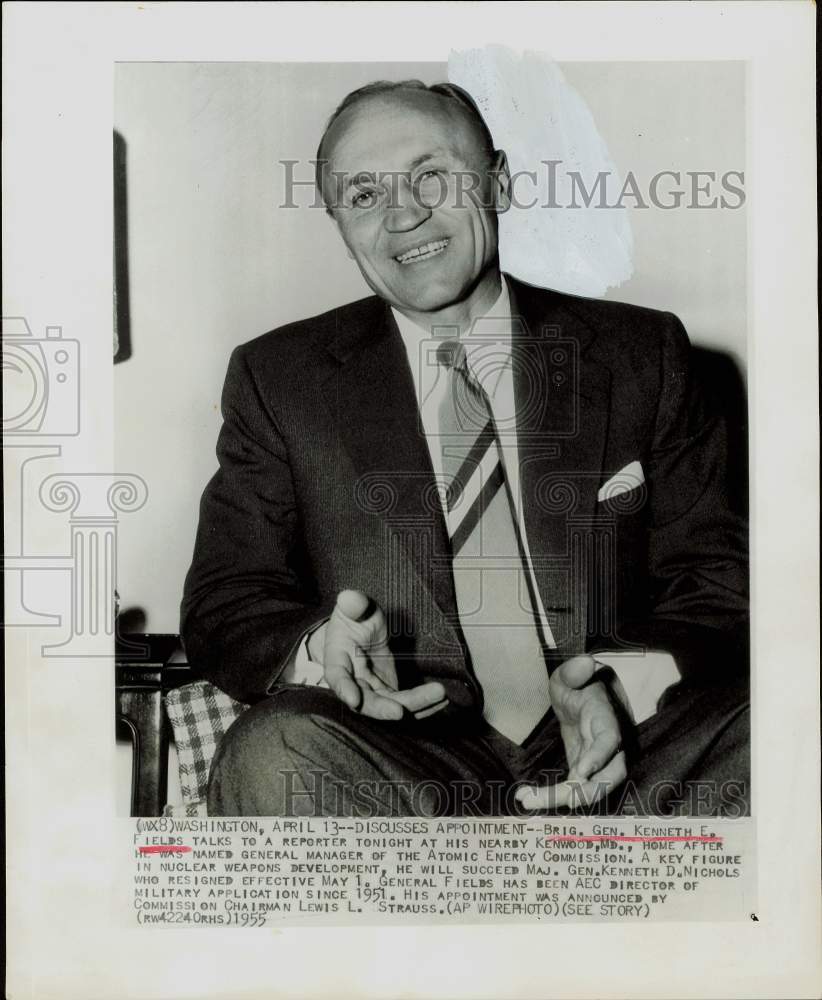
359 667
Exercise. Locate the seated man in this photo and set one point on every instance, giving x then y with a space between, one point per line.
469 549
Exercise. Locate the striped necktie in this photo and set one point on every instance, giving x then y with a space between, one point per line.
495 606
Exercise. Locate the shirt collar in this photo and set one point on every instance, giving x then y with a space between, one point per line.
490 332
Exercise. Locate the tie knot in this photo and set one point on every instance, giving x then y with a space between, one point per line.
451 354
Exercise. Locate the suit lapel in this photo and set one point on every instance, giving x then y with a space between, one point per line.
562 400
372 396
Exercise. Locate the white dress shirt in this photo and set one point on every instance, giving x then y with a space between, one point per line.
488 356
644 677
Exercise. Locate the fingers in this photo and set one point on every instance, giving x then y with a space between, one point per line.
420 698
364 675
361 696
596 754
432 710
592 737
574 793
339 676
359 665
347 672
567 686
359 692
421 701
382 661
353 604
358 621
602 782
551 797
377 706
588 721
585 793
576 672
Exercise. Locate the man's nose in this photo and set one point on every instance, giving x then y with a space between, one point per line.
405 209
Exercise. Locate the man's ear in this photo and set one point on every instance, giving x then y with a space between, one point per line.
501 180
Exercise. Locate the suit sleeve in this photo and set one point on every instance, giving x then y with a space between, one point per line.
249 595
697 545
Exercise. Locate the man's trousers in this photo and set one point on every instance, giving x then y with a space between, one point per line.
302 752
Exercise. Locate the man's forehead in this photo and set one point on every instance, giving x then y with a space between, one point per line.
387 126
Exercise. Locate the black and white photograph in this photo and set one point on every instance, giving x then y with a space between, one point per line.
409 481
476 543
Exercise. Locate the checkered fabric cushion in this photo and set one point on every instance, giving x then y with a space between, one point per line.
200 715
182 811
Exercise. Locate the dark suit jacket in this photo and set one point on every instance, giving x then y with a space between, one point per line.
325 483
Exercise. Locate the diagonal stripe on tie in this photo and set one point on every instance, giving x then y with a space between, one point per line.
472 460
473 488
472 517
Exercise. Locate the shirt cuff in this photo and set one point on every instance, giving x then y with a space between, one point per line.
302 669
645 677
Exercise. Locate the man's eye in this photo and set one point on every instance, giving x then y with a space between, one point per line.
364 199
427 177
431 186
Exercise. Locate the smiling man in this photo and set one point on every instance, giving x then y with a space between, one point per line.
469 549
416 211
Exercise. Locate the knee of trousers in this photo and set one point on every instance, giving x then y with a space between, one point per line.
264 755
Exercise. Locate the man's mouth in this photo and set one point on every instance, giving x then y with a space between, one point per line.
424 252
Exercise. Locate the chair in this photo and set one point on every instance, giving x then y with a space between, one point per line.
159 698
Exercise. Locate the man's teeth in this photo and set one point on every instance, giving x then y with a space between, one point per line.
422 253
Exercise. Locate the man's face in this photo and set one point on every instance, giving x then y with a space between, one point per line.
400 173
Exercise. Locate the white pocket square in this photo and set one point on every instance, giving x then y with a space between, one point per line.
626 479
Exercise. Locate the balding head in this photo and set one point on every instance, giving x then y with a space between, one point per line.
439 100
414 185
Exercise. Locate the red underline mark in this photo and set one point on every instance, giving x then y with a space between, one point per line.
164 849
703 840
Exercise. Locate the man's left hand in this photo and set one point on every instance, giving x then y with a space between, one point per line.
592 736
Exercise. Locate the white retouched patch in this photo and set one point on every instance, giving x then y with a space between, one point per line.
535 115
